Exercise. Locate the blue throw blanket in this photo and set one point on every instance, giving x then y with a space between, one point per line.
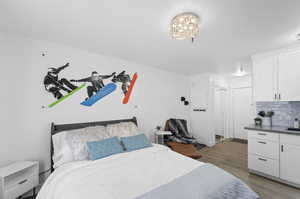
205 182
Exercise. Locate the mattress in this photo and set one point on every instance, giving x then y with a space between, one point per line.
137 174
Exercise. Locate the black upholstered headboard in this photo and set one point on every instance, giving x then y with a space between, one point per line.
56 128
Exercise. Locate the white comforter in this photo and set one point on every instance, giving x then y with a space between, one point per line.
121 176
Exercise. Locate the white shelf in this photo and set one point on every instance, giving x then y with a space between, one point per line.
15 167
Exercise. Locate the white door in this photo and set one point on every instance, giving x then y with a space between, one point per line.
242 111
219 114
201 111
264 78
289 76
290 163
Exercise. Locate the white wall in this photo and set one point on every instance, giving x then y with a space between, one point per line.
25 126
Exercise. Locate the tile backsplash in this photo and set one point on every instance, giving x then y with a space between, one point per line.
284 112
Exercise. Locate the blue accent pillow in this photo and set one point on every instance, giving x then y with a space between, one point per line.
104 148
135 142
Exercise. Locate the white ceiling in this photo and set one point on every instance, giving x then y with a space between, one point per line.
137 30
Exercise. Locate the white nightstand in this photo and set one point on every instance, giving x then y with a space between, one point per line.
160 134
18 178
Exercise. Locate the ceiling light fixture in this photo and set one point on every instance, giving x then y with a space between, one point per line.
185 26
240 72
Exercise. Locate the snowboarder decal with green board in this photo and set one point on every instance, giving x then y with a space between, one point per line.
57 86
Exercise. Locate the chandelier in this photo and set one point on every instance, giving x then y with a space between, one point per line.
184 26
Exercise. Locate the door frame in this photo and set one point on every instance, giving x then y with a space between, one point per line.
233 119
225 104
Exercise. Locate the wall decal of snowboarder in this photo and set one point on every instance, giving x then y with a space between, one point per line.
127 84
97 90
124 79
96 80
62 88
54 85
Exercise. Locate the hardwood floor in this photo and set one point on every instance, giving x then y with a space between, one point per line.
232 156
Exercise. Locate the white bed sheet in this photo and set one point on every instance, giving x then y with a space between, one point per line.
121 176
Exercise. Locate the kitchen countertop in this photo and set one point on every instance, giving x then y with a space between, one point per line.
276 129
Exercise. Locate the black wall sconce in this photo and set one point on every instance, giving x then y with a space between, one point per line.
185 102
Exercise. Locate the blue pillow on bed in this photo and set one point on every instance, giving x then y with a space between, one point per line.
104 148
135 142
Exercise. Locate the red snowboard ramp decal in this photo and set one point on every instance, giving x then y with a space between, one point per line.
128 93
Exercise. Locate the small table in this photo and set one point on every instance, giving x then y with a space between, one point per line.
18 178
161 134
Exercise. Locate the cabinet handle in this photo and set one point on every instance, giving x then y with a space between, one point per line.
262 159
275 96
262 134
262 142
279 96
23 181
281 148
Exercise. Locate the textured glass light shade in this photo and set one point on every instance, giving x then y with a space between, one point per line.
185 26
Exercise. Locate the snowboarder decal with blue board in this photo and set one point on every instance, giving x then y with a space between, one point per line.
106 90
97 90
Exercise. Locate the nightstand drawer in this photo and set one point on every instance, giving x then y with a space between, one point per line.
21 187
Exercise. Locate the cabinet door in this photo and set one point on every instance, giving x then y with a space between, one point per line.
289 76
290 163
264 78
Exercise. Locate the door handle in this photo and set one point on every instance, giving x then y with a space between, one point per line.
200 110
281 148
262 142
262 159
262 134
23 181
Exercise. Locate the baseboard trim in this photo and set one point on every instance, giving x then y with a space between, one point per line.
239 140
274 178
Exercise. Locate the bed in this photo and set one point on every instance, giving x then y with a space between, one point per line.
153 172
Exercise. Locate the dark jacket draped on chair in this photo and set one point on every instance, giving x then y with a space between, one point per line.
179 130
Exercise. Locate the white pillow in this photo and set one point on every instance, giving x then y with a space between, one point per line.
62 150
77 141
70 145
122 129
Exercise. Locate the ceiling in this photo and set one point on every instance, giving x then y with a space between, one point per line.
137 30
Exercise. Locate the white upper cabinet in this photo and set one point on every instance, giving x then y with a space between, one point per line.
289 76
276 75
264 78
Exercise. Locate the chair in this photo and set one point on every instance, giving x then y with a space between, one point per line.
181 140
